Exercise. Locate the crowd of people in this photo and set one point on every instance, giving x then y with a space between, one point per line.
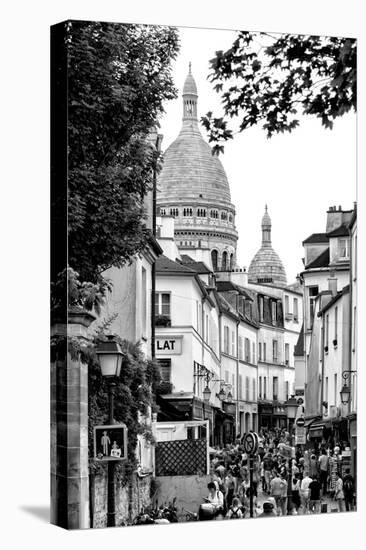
315 478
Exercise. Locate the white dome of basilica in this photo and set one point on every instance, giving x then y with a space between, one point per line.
193 187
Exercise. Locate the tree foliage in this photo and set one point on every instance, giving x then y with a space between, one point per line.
134 393
273 80
118 78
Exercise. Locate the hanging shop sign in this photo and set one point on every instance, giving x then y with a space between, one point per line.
170 345
110 442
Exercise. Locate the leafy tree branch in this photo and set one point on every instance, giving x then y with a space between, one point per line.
273 85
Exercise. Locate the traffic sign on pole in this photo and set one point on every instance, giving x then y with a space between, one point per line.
250 443
300 422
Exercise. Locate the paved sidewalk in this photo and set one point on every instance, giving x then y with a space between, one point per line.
332 506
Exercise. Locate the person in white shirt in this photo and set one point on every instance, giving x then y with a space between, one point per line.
305 493
338 492
215 497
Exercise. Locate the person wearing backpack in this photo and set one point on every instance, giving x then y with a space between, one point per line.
234 510
348 490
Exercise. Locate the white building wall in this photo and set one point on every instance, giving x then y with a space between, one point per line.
318 278
195 322
354 323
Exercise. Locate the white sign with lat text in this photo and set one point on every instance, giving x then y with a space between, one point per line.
169 345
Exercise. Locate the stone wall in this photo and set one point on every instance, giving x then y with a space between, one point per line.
188 491
136 496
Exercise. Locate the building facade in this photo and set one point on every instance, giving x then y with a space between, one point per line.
241 328
330 315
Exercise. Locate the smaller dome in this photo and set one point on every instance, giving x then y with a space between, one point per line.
266 266
190 87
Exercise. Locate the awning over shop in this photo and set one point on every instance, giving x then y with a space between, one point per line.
308 422
221 415
316 430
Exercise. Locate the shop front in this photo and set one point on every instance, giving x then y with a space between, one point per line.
265 415
352 422
184 406
224 425
279 416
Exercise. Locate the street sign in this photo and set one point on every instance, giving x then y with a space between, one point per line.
300 422
250 443
300 435
110 442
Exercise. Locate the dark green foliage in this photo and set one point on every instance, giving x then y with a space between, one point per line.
271 81
118 78
86 295
134 394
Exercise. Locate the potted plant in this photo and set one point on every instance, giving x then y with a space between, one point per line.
162 321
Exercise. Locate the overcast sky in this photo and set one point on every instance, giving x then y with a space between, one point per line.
299 175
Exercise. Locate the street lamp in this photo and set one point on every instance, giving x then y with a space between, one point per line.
110 355
345 394
206 394
229 397
346 390
291 406
222 394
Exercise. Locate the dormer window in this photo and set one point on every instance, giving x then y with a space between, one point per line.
174 212
187 212
214 214
343 247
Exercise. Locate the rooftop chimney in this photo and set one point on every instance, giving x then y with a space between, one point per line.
334 218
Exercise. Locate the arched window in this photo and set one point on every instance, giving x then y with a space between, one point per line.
224 265
224 215
214 258
230 218
231 262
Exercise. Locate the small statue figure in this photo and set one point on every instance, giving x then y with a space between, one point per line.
105 442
